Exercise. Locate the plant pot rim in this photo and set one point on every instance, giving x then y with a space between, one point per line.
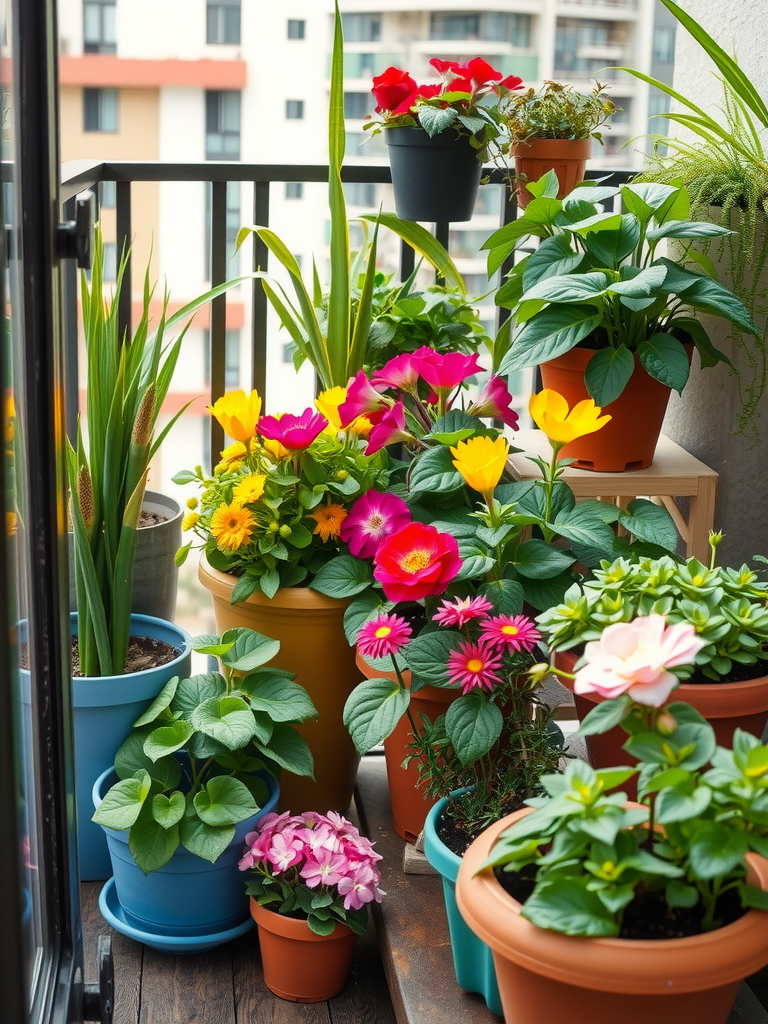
293 927
161 498
633 966
404 135
221 584
440 856
579 147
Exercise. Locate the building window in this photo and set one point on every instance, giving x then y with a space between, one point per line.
294 110
108 195
110 261
358 105
223 21
360 193
664 44
231 358
361 28
222 125
488 26
100 110
294 189
296 29
99 26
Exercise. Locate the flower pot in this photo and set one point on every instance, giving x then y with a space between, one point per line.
434 178
409 801
629 440
155 574
299 965
566 157
472 958
105 708
188 894
726 706
546 976
310 628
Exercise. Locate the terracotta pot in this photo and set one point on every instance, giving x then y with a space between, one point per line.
410 804
310 628
566 157
546 976
726 706
299 965
629 440
435 178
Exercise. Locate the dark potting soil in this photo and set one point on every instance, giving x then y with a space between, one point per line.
458 836
143 652
646 917
738 674
151 518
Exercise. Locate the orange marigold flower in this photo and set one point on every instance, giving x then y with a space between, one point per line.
232 526
329 519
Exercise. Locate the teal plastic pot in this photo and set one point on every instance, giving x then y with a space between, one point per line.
472 958
189 895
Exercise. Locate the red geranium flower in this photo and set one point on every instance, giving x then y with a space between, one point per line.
392 87
417 562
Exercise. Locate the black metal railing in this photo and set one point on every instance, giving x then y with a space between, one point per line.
80 176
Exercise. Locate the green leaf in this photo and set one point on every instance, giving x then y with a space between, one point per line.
651 523
715 850
433 472
364 607
224 801
505 595
607 374
675 805
565 905
206 841
427 654
159 704
611 248
538 560
678 894
372 711
604 716
249 650
194 691
123 802
455 426
569 288
228 720
168 811
550 334
435 120
282 700
344 576
289 749
582 524
553 258
166 739
665 359
473 724
151 845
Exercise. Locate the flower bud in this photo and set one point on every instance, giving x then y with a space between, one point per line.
192 503
342 474
665 723
85 496
142 428
538 673
285 530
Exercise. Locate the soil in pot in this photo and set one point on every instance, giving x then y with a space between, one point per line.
458 836
143 652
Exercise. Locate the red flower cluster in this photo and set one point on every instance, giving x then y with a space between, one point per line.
397 92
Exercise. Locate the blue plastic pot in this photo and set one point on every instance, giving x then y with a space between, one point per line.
189 895
472 958
105 708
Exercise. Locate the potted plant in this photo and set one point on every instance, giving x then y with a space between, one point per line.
728 607
198 769
604 314
551 129
311 877
440 134
664 899
268 519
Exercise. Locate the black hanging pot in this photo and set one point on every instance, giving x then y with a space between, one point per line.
435 178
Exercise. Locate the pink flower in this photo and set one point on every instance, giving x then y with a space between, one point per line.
495 400
474 666
400 372
513 632
389 429
362 400
633 657
323 867
295 433
444 372
386 634
360 887
416 562
461 610
285 850
374 516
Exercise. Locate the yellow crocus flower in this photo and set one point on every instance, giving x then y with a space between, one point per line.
238 414
549 411
481 461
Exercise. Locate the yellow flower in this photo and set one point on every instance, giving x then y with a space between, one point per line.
232 526
329 519
481 462
276 450
11 524
250 488
192 503
549 411
327 404
361 426
238 413
189 521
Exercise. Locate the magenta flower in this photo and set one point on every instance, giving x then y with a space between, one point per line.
362 400
510 632
417 561
323 867
285 850
386 634
495 400
461 610
359 887
474 666
400 371
389 429
374 516
296 433
444 372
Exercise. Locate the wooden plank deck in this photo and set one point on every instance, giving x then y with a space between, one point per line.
406 976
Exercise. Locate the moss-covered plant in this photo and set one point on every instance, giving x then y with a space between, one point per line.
558 111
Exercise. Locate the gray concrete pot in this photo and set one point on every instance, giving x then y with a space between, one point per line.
155 575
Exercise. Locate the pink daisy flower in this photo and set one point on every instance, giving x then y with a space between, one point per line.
461 610
386 634
293 432
374 516
474 666
513 632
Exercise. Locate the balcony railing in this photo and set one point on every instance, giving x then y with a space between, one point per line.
81 176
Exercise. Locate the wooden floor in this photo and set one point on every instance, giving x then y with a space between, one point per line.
226 985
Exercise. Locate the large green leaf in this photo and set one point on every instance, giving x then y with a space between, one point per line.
228 720
553 258
224 801
167 739
249 650
473 724
192 692
289 749
343 576
716 850
569 287
608 372
427 655
650 522
539 560
566 905
282 700
610 248
433 472
123 802
550 334
583 526
151 845
206 841
159 704
665 359
168 810
372 711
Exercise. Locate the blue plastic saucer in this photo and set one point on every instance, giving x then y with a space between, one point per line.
166 939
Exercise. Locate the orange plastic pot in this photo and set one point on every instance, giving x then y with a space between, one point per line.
629 440
546 976
410 804
566 157
726 706
310 628
299 965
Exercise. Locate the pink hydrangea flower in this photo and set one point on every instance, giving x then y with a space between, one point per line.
386 634
633 657
474 666
495 401
461 609
374 516
513 632
296 433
